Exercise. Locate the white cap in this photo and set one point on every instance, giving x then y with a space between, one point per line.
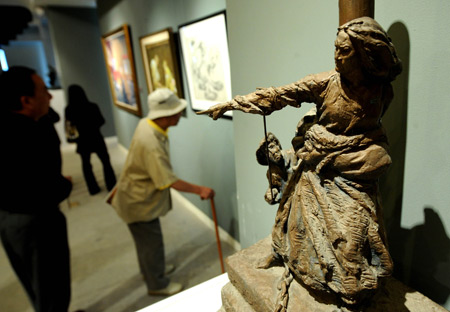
163 103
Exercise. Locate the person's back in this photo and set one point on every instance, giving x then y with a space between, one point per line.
86 116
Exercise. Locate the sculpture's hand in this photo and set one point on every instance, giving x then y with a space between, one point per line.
217 110
273 196
253 103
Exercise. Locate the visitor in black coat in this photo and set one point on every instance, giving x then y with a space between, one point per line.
32 228
86 116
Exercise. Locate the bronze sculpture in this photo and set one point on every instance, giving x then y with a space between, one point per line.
328 229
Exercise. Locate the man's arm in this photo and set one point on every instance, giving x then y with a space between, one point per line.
203 191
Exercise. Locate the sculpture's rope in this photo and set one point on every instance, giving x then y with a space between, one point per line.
268 157
283 287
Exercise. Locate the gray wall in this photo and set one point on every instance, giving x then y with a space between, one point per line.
277 46
274 43
79 57
202 151
27 53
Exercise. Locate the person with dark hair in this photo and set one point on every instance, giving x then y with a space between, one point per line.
88 119
32 228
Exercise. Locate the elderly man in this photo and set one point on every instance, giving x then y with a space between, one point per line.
143 190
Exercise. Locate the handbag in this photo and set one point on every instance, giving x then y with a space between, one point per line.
72 134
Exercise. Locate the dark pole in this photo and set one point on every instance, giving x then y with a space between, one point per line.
351 9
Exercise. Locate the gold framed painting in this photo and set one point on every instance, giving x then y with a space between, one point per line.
121 69
160 61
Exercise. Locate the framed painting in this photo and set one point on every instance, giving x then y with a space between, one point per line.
160 61
204 47
121 70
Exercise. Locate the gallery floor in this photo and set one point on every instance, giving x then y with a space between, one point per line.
105 274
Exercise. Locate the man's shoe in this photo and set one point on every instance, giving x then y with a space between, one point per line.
169 268
170 290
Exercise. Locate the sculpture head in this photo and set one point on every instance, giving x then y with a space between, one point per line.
372 47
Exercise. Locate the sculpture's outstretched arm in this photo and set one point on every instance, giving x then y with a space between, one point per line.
262 102
247 104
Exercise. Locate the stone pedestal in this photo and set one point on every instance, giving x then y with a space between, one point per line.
255 290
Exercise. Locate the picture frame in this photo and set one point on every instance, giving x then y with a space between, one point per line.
160 61
121 69
204 47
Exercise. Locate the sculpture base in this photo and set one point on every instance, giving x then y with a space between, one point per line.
251 289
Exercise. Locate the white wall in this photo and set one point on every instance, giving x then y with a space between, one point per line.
58 103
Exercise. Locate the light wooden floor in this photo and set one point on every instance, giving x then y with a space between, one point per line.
105 274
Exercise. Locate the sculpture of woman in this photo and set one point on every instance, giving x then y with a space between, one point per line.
328 229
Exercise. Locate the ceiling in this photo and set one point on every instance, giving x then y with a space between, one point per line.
14 20
31 4
16 15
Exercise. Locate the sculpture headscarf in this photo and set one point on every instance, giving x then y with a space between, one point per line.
375 48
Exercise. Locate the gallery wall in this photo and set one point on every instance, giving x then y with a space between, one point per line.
275 43
28 53
202 151
79 57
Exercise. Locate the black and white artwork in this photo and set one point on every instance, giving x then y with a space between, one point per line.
205 57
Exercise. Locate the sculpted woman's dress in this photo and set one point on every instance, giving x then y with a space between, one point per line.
329 229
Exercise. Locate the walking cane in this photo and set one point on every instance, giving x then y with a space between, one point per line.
213 208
